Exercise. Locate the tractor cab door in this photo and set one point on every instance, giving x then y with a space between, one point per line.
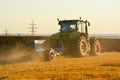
81 27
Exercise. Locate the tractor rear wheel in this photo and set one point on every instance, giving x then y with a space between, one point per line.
82 46
95 47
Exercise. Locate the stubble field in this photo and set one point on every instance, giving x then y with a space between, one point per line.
106 66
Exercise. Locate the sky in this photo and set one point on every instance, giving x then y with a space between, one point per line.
16 15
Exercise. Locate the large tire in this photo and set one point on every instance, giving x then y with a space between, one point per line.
95 47
82 48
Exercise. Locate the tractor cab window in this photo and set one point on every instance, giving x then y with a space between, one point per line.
67 26
81 27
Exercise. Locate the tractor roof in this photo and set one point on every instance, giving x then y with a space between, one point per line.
73 21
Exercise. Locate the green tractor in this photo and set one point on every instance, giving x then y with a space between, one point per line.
72 40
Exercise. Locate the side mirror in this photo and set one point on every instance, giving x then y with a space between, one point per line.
58 19
88 23
60 30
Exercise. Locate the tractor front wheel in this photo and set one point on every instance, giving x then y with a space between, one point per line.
48 55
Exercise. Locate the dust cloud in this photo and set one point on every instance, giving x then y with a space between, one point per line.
16 53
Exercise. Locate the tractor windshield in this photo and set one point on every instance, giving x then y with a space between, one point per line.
68 27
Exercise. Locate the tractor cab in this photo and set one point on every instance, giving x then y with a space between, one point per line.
74 25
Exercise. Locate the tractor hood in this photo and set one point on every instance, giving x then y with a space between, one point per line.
65 35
